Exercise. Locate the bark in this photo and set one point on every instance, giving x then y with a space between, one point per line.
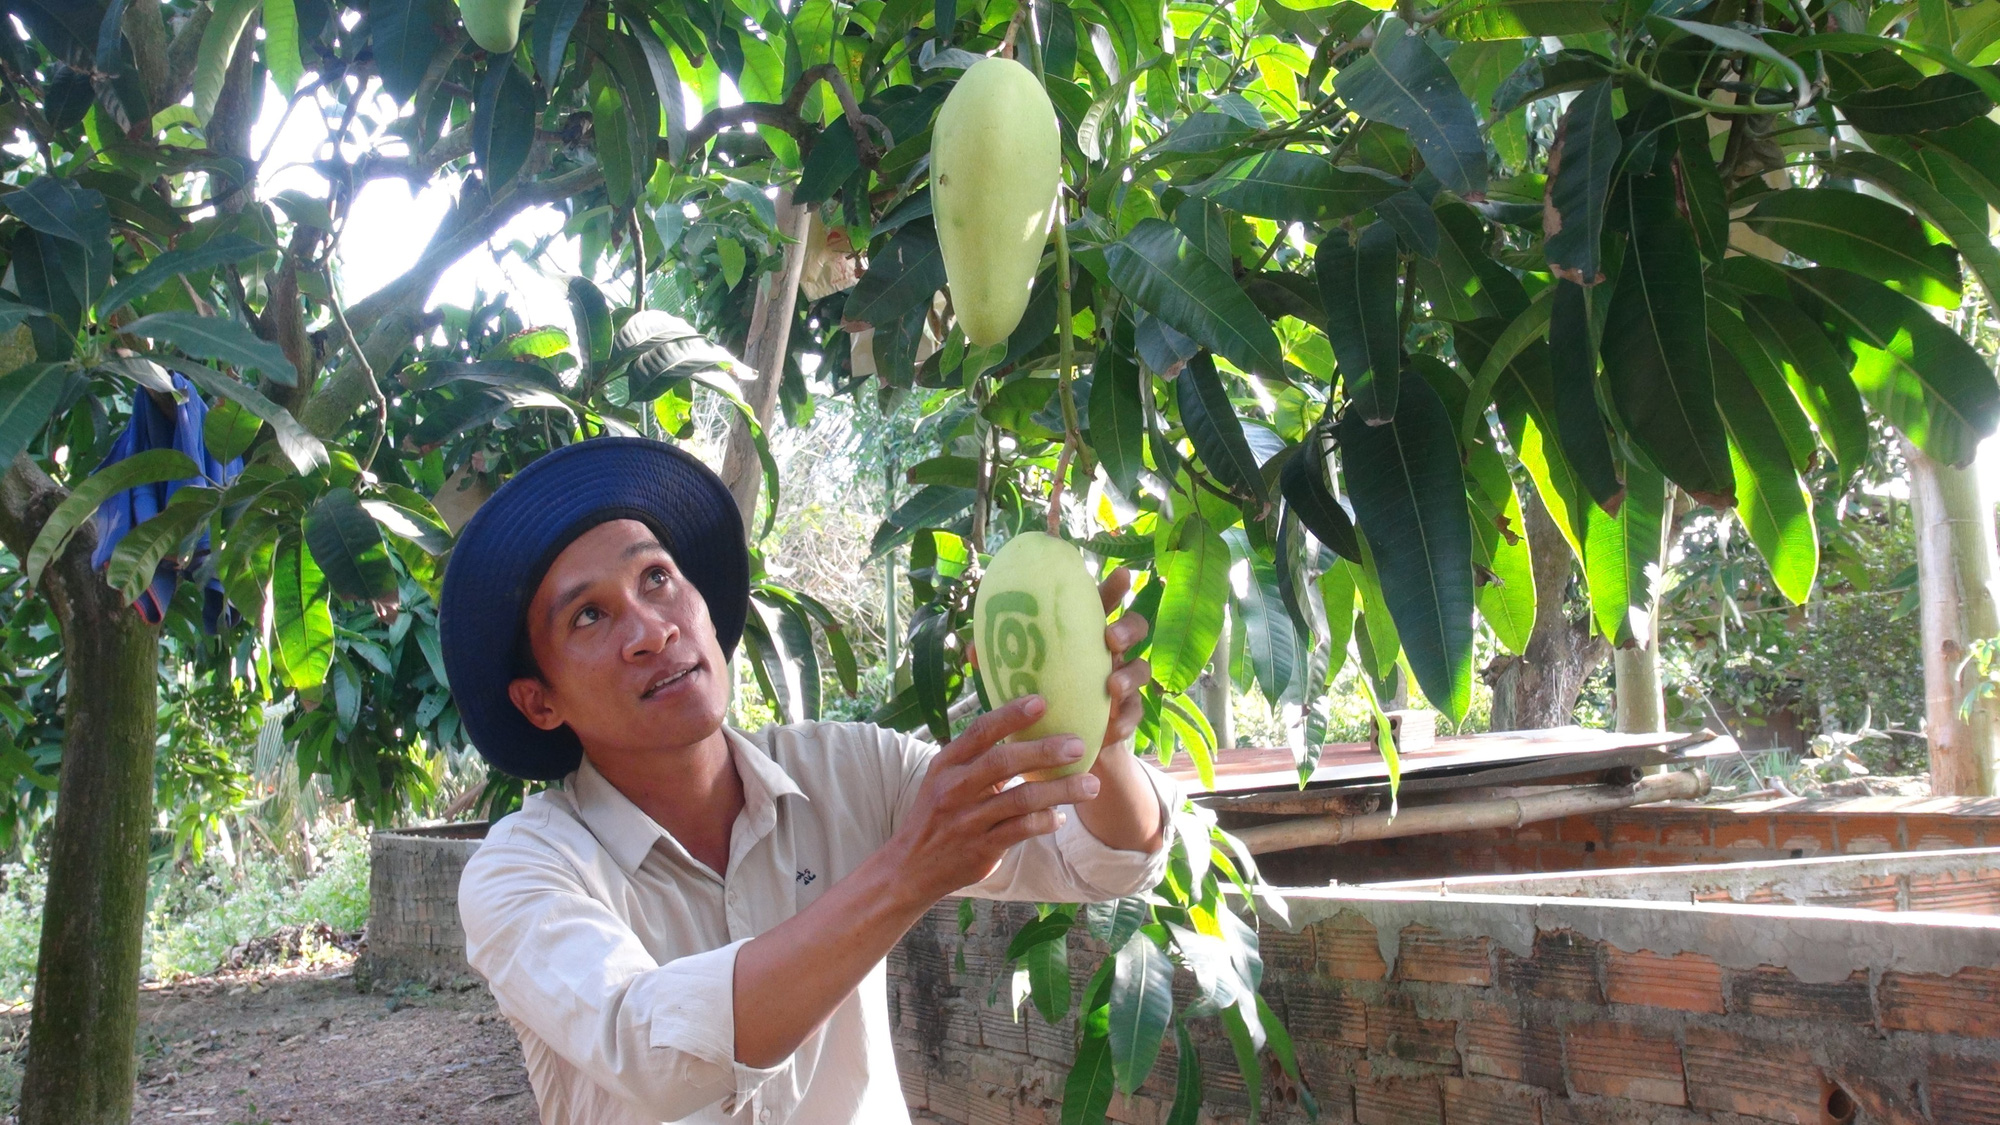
764 350
81 1064
1538 689
1956 597
1642 705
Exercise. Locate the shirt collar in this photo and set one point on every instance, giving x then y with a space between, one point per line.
628 834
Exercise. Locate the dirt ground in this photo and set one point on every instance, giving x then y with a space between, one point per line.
305 1046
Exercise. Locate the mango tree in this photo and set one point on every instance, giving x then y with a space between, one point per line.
1334 295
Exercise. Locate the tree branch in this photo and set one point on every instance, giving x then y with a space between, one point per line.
387 319
786 116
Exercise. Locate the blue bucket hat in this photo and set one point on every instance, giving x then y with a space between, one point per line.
507 547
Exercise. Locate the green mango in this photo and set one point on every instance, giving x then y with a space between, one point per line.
1038 625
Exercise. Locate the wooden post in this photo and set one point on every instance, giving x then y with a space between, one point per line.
764 350
1957 606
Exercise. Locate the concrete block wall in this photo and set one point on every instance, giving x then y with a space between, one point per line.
1657 835
1408 1009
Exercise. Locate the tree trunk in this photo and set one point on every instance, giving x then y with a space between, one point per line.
81 1064
1214 696
1955 583
769 339
1538 689
1635 672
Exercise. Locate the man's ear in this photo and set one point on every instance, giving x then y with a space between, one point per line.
531 698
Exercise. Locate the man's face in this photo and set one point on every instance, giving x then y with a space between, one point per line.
627 652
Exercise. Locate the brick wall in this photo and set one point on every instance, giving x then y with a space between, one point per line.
1650 836
1408 1009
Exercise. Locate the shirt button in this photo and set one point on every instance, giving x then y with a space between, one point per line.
764 1117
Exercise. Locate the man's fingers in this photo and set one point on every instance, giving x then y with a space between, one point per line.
1007 833
1122 634
1127 679
1131 711
1004 762
1031 795
993 726
1112 590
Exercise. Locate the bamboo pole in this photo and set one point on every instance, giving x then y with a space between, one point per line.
1503 812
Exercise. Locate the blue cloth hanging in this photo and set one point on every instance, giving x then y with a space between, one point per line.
154 428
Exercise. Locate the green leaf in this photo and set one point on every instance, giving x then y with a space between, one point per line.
1816 374
1298 187
1938 102
1403 82
1409 499
1117 419
348 548
1702 190
1336 594
1621 557
55 206
1269 638
148 467
1357 286
1586 153
654 347
1470 20
1517 345
211 337
1731 39
1573 373
305 451
404 41
1508 602
549 38
28 397
1775 508
503 122
1187 1080
1195 571
168 534
1655 347
281 45
903 276
733 260
421 526
1742 356
592 316
1142 1004
1048 976
1087 1090
1244 1043
220 250
837 643
1164 274
610 124
218 45
1926 380
1966 232
1214 428
1309 495
1863 234
930 507
301 619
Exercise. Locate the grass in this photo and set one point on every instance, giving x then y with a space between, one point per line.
194 917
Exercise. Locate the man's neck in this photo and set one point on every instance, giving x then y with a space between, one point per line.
694 792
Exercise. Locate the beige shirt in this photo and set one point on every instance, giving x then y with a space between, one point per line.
612 950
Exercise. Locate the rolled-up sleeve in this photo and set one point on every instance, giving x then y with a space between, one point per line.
660 1036
1068 865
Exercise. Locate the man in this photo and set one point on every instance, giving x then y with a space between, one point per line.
693 927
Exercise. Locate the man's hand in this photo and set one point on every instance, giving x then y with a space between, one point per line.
965 817
1127 676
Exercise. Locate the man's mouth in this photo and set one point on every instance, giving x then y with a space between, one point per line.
670 679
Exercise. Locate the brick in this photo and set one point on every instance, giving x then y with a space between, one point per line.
1626 831
1963 1092
1500 1045
1580 830
1965 1003
1622 1060
1137 1110
1317 1010
1936 833
1399 1101
1957 892
1538 832
1564 967
1400 1033
1750 834
1690 982
1809 836
1753 1076
999 1030
1684 830
1481 1101
1426 954
1287 952
1882 892
1880 1103
1346 947
914 1079
1867 835
1770 991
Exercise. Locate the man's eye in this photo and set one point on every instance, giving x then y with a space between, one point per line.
657 576
586 616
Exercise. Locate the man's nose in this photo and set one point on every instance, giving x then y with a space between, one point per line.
650 630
